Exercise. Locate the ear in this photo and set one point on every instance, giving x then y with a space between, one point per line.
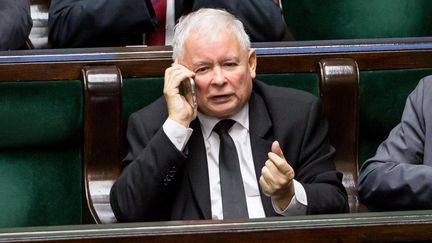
252 63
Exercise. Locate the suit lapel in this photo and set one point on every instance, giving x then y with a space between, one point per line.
261 140
198 170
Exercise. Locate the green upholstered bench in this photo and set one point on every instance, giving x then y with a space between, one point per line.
61 146
56 119
64 112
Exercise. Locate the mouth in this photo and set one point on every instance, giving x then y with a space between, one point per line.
220 98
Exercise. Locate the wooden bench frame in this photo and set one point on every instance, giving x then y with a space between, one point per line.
102 65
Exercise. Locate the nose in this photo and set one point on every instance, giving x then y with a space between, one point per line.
218 76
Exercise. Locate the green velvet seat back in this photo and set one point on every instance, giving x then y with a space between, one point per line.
40 153
139 92
356 19
382 100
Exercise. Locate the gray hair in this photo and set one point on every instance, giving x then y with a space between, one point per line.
210 23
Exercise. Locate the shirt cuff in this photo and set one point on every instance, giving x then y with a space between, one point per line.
298 204
177 134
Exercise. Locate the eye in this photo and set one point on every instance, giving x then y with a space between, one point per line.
201 69
230 64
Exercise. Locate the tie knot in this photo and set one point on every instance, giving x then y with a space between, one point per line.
223 126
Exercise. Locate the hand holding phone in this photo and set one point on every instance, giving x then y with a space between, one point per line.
180 94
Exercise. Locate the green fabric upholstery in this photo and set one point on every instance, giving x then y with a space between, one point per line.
40 187
304 81
382 99
41 153
354 19
40 113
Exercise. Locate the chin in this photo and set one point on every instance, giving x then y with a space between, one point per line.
223 113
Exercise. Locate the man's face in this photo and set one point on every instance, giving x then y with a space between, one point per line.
223 73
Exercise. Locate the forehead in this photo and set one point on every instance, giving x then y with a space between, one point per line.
200 47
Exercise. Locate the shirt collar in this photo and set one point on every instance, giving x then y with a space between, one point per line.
208 123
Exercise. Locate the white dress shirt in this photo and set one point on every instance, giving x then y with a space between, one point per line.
179 135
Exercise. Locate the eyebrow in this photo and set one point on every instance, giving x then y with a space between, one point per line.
201 63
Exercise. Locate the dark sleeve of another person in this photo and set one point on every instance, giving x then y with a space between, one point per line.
93 23
15 23
263 19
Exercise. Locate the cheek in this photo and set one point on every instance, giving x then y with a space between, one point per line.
202 86
242 83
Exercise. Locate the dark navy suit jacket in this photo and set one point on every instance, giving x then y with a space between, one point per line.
15 23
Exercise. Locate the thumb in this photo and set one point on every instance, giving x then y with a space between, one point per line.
275 148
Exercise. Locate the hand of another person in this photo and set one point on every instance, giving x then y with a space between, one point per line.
277 177
180 108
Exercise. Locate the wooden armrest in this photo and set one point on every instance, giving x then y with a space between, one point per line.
339 93
102 137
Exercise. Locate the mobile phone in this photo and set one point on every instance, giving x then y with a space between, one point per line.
193 92
189 88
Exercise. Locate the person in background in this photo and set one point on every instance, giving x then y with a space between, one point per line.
97 23
15 23
399 176
246 150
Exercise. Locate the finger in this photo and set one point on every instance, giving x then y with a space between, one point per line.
275 148
272 183
174 76
280 164
271 167
271 174
265 187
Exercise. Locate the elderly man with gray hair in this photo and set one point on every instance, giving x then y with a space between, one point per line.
243 150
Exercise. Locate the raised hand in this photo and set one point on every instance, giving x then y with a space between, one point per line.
180 108
277 177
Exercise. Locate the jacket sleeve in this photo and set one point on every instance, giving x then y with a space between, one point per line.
316 170
144 189
87 23
263 19
396 178
15 23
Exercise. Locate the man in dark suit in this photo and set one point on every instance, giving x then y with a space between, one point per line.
171 171
15 23
93 23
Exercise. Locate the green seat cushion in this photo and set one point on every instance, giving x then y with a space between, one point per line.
40 187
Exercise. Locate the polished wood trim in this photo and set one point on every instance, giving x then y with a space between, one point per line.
412 226
339 88
102 137
276 57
